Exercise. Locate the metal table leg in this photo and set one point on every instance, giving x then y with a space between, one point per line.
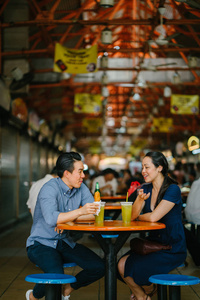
110 250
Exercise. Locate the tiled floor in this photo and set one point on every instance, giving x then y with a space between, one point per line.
14 266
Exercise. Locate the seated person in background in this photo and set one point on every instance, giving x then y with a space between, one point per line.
197 167
87 179
124 181
160 200
61 200
191 178
192 214
35 188
192 209
107 182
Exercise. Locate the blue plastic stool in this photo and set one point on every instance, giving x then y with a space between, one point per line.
69 265
109 236
174 281
53 283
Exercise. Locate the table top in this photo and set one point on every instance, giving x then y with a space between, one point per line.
113 198
112 225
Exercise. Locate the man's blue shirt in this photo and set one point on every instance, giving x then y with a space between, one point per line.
55 197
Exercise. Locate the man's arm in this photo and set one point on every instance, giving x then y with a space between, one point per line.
85 212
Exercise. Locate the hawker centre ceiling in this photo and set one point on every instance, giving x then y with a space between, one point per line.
153 44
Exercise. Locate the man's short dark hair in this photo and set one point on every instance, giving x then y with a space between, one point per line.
66 162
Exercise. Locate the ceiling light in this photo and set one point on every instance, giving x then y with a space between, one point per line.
167 91
161 10
106 3
155 110
136 97
104 91
161 102
106 36
110 122
104 78
104 61
17 73
192 61
176 79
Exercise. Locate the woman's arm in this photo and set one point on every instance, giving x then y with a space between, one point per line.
139 204
161 210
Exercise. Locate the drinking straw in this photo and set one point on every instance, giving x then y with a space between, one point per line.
127 197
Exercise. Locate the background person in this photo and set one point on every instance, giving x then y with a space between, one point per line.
192 214
35 188
59 201
160 200
107 182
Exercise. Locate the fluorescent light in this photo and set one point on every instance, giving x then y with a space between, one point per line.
196 151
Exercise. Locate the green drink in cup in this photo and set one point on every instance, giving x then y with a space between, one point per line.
126 212
99 220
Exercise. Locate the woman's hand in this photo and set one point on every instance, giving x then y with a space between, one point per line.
142 196
139 204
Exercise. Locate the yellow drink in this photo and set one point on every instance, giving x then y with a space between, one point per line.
99 220
126 212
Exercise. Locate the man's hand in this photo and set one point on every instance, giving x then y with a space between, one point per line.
90 208
59 231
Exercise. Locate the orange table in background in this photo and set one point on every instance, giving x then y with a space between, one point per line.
110 247
119 198
110 206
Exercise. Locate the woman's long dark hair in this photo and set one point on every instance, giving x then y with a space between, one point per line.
158 159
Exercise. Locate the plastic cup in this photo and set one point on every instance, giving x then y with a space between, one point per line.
126 212
99 220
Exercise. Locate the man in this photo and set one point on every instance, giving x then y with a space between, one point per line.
107 182
35 188
63 199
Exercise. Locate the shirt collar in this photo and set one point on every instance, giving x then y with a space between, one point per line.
65 189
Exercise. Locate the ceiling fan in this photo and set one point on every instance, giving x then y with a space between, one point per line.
162 40
151 67
191 3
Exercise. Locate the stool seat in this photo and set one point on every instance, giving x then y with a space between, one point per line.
53 283
50 278
109 236
173 282
69 265
174 279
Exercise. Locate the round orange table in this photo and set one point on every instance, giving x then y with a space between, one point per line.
114 206
114 198
110 247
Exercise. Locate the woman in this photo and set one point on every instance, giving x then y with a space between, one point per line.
160 200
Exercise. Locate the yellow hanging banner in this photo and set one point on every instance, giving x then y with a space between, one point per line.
185 104
75 61
92 124
162 125
87 103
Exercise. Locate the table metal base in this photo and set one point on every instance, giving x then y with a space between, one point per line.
111 249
